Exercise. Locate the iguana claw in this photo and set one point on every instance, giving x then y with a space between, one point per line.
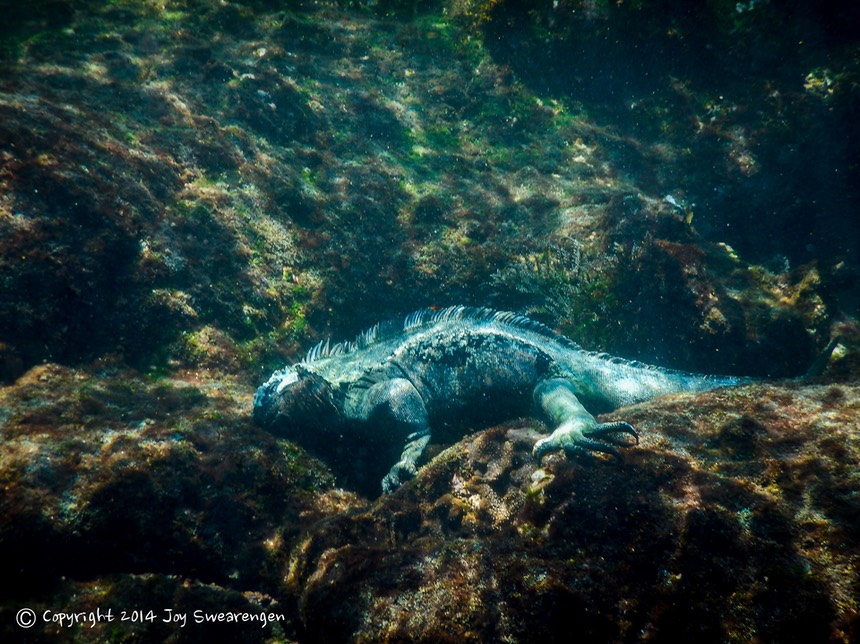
398 475
573 439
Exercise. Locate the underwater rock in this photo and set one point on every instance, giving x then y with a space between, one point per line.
692 302
205 188
274 108
733 520
128 493
112 473
718 100
238 168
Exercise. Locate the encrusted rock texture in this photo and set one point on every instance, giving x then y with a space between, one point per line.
202 184
735 519
194 191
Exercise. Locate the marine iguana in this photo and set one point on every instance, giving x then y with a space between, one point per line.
398 382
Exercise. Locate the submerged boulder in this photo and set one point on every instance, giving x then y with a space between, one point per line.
736 518
733 520
111 473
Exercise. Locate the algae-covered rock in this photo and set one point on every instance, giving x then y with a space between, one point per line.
111 473
236 170
191 192
745 108
127 493
733 520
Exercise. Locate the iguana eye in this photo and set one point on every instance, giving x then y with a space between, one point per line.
289 378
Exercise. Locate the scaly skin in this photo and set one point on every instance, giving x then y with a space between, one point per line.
461 364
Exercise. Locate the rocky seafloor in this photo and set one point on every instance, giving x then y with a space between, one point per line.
192 192
735 519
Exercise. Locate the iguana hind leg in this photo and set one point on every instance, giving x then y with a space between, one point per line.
576 430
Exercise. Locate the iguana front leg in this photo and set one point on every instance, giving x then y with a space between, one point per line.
407 467
575 429
399 404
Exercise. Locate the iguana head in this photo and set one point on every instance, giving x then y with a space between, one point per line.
291 397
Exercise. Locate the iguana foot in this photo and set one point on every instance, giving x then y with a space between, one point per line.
574 439
398 475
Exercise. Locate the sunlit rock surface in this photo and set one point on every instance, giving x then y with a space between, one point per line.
735 520
178 172
113 472
192 192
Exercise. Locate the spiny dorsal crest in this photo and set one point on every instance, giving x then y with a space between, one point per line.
381 332
428 317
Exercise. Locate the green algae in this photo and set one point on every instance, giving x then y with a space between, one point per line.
383 181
